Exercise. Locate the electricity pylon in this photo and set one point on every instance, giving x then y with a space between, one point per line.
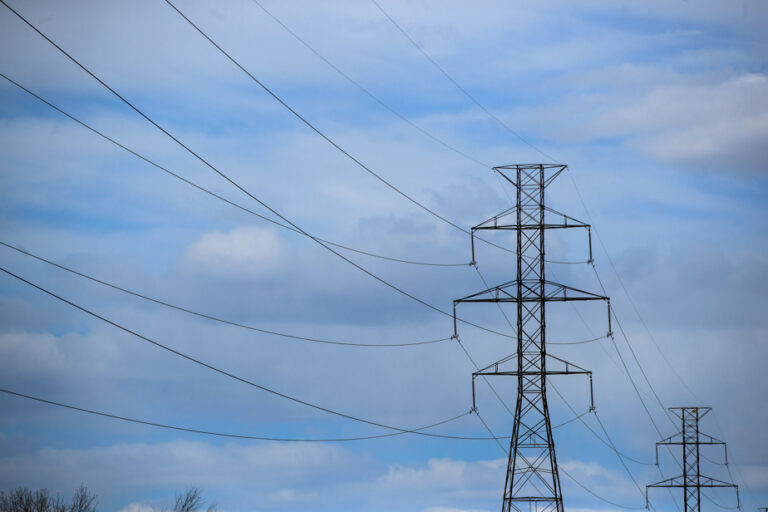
532 480
689 437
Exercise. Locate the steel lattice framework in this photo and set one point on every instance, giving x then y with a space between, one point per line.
690 439
532 479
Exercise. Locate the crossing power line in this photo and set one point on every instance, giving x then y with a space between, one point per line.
297 229
232 323
238 436
517 135
326 137
240 187
215 318
322 134
368 92
210 366
215 195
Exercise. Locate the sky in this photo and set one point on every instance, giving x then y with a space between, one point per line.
659 109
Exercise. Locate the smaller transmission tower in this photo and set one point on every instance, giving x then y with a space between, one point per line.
689 437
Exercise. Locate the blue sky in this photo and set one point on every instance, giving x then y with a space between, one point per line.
659 108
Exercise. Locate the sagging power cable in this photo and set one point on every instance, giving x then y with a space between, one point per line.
213 194
227 434
210 366
237 185
212 317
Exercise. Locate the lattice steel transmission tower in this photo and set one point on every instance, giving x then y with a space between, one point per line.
689 437
532 479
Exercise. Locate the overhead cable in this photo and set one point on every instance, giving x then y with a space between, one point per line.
457 84
368 92
210 366
215 195
632 351
517 135
226 434
211 317
543 153
601 498
322 134
241 188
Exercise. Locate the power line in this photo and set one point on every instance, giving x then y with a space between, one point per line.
485 379
368 91
326 137
211 367
626 291
239 187
240 379
322 134
632 351
593 493
458 85
508 128
211 317
236 205
608 443
581 198
275 212
225 434
605 431
279 439
718 505
477 413
645 408
213 194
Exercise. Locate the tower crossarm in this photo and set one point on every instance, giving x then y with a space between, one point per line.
494 222
704 482
553 292
553 171
703 440
560 367
529 291
499 222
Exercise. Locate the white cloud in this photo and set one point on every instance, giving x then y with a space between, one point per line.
754 478
138 507
180 464
601 480
447 474
721 126
246 251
